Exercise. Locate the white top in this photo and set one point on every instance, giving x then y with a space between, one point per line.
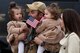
70 44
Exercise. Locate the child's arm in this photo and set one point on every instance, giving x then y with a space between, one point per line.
41 27
25 32
22 36
12 29
54 36
10 38
24 27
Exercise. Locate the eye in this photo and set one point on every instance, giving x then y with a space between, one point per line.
17 14
21 13
32 12
46 14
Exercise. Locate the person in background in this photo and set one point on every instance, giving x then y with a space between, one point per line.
71 42
17 30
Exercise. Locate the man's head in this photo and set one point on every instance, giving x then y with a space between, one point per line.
36 9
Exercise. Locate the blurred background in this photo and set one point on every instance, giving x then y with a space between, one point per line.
4 47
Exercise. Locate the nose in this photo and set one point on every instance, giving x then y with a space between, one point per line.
44 15
20 16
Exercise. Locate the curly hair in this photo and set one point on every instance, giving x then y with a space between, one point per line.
12 6
53 8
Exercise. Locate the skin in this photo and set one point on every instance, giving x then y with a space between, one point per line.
17 14
47 14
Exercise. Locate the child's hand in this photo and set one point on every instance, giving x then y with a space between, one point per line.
37 40
11 39
42 37
22 36
24 28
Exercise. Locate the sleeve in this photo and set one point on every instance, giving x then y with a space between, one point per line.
22 36
73 44
12 29
10 38
41 27
24 27
54 36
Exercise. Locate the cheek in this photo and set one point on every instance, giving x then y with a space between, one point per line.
16 16
45 16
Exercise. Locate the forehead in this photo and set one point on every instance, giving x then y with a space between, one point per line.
16 10
46 11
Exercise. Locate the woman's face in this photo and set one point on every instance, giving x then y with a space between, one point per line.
17 14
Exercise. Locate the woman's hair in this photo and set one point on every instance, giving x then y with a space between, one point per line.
13 5
53 8
71 21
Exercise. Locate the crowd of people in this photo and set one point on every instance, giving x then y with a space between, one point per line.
57 31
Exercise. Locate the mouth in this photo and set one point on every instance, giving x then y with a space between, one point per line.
44 17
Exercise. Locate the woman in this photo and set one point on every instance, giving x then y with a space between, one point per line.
71 42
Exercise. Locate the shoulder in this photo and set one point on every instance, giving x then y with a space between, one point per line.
44 20
73 36
47 21
10 22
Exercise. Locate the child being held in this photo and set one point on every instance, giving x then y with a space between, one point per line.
17 30
49 31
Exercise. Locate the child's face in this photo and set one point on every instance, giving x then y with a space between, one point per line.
47 14
17 14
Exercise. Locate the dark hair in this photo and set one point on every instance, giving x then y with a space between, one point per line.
71 21
53 8
13 5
